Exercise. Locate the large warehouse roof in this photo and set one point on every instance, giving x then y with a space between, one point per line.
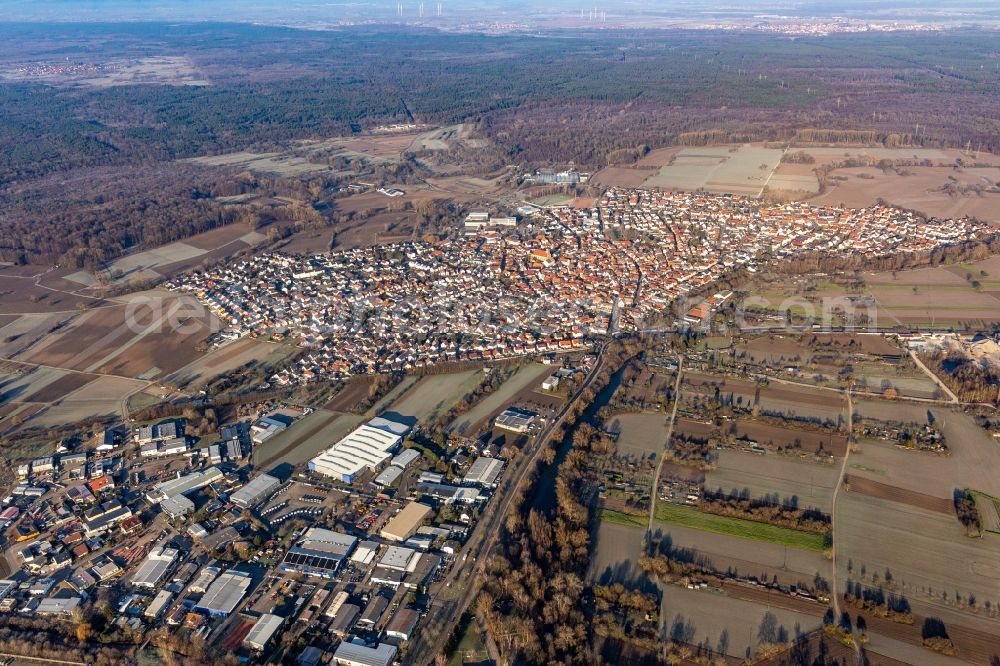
320 552
405 523
154 567
262 631
349 654
255 491
184 484
225 593
367 446
484 472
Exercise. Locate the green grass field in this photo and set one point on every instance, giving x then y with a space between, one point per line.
624 519
685 516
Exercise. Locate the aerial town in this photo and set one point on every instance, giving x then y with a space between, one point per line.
503 289
208 539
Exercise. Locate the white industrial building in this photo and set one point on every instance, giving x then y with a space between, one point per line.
515 420
256 491
484 472
177 506
263 631
367 447
181 485
158 604
225 593
350 654
154 567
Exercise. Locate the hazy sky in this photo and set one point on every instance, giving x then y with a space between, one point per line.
306 12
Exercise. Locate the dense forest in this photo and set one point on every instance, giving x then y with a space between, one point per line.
581 97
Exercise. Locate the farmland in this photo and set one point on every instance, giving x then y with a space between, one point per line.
99 398
685 516
740 169
797 483
972 460
792 439
932 190
434 395
225 359
921 549
618 545
934 297
700 615
639 435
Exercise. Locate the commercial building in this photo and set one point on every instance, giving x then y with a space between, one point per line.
367 447
373 611
405 523
57 605
365 553
448 494
263 631
344 620
515 420
267 427
204 580
224 594
350 654
484 472
320 553
175 507
402 624
256 491
158 604
159 432
155 567
181 485
398 558
103 517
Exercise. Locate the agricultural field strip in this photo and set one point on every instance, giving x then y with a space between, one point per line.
685 516
810 482
153 326
435 394
928 553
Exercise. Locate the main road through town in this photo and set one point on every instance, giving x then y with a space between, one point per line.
459 587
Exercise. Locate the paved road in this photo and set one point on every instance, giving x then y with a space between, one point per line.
459 587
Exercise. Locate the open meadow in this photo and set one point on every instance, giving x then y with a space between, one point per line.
795 482
616 551
667 513
639 435
723 621
434 395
